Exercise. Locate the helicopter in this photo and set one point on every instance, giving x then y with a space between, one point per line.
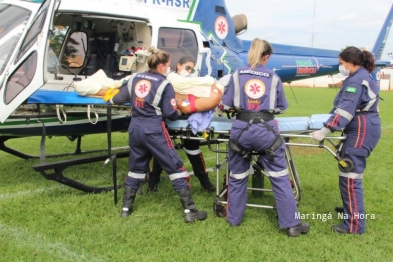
49 45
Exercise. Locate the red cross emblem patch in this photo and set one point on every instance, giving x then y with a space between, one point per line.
255 88
142 88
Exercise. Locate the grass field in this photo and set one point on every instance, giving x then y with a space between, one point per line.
41 220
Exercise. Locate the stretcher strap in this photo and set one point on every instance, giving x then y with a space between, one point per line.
88 115
191 98
58 107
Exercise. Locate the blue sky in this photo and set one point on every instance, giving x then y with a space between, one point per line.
336 24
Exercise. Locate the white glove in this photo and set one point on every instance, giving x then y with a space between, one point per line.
320 134
221 109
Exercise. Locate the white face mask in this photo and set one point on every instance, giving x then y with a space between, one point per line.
168 71
343 71
185 73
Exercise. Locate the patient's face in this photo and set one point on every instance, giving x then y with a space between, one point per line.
189 67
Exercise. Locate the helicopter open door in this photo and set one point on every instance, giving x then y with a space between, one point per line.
24 31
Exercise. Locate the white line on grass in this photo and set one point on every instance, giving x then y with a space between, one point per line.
27 192
39 242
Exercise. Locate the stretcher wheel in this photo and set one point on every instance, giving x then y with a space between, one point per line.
345 165
219 209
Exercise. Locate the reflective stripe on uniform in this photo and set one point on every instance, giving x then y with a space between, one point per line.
158 96
192 152
352 175
178 175
239 176
371 94
278 173
273 93
136 175
236 95
129 84
344 113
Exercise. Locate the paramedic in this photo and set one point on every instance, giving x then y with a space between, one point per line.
153 99
185 67
257 94
356 113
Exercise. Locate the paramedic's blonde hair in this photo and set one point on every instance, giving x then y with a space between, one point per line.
258 49
157 57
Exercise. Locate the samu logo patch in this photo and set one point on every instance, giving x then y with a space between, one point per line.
351 90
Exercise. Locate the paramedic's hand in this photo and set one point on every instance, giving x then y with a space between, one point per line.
320 134
221 109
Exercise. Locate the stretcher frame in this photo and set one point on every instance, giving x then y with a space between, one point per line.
214 138
54 170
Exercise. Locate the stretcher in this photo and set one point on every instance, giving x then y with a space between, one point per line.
216 137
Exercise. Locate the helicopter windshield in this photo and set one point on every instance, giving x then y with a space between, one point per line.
12 24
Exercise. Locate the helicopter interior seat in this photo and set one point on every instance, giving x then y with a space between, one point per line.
102 55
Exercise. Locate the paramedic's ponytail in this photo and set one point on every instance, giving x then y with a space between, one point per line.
355 56
368 61
258 49
157 57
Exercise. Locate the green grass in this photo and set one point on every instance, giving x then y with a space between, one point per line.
41 220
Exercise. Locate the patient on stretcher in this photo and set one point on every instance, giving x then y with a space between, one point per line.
98 85
193 94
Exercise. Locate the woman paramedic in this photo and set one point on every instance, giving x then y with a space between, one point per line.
184 68
153 99
257 94
356 112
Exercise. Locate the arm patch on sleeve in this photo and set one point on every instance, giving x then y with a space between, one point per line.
351 89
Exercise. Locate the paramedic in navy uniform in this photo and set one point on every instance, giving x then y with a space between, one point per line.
257 94
185 67
356 111
152 99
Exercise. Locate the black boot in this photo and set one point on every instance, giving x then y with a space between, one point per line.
152 187
340 229
154 177
206 184
128 200
339 209
295 231
191 213
198 165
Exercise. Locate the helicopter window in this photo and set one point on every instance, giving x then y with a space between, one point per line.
178 43
12 21
21 78
57 38
220 9
75 51
34 31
